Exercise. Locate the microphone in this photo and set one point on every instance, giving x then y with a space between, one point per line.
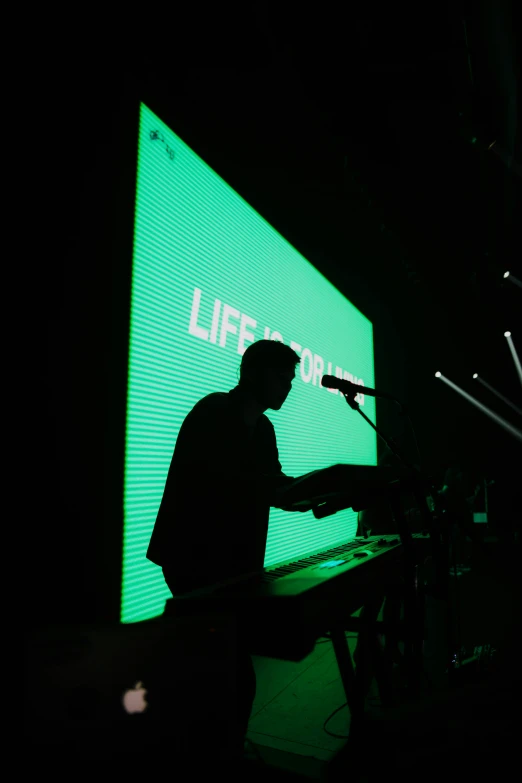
347 387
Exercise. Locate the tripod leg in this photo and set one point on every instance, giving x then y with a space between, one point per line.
374 661
344 662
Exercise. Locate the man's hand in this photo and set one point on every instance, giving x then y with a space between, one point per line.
302 507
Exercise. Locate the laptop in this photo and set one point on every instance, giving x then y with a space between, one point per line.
160 689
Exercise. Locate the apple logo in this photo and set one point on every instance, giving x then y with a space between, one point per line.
134 699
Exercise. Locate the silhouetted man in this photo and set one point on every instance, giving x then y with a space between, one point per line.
224 475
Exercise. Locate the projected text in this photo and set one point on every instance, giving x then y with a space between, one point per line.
228 321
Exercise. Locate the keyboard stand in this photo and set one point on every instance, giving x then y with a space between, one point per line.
370 663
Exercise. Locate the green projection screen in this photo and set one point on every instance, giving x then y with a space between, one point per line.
209 277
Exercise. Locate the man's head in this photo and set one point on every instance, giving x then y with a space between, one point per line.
267 371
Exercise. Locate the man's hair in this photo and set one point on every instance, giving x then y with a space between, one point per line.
266 354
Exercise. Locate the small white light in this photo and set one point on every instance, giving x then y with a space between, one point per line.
507 334
437 375
506 274
475 374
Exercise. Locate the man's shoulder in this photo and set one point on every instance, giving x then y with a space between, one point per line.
213 399
266 423
266 430
216 401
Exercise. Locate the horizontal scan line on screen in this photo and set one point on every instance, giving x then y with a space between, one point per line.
227 320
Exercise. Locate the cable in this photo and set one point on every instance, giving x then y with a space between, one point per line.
327 638
330 733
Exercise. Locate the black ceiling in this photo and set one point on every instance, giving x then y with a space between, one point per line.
352 133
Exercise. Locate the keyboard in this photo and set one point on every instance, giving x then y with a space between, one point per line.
289 605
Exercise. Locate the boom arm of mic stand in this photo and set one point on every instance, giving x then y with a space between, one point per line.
418 483
416 476
350 399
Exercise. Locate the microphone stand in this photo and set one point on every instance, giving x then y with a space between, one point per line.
413 611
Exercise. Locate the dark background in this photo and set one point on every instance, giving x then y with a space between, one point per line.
351 132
